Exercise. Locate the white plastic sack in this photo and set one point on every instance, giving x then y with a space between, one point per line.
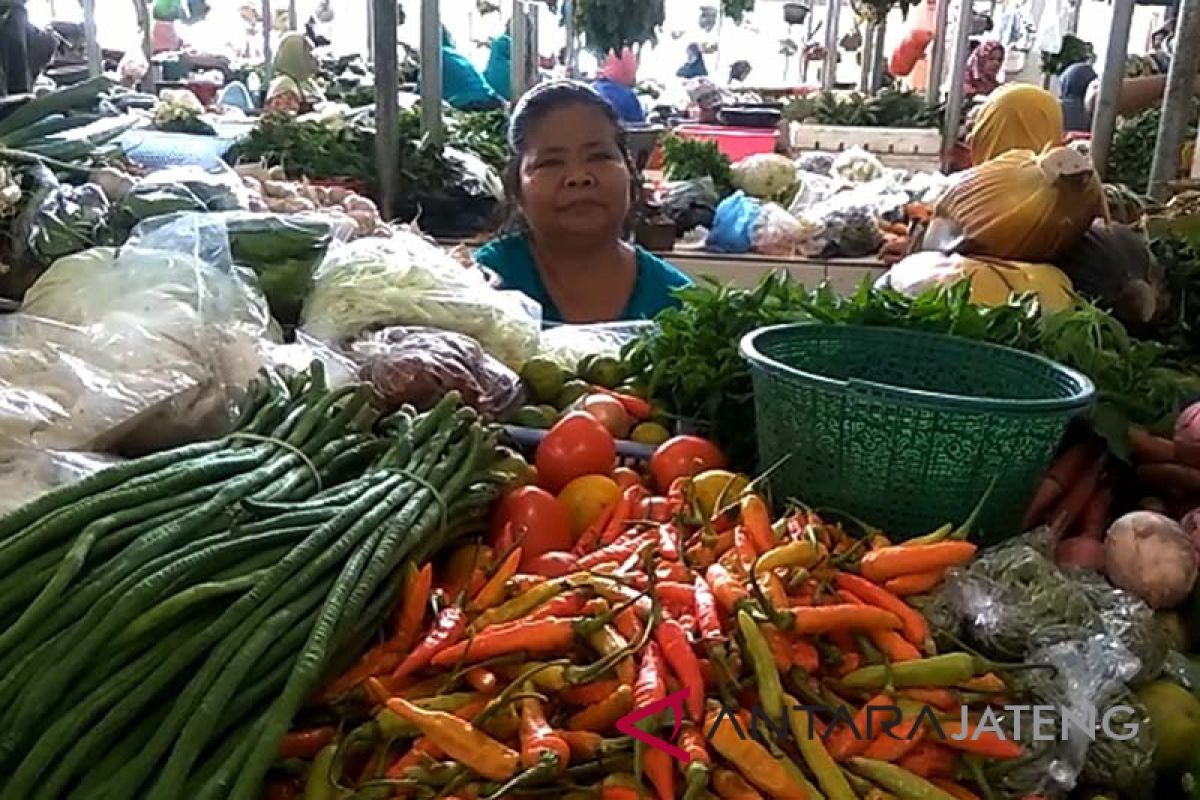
407 280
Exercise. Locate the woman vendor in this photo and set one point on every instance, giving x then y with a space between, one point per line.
615 84
293 88
982 75
572 189
463 86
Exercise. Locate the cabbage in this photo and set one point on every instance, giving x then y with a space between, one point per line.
767 176
408 281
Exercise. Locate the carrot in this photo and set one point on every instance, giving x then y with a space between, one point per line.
1095 515
604 715
1063 473
1170 479
1071 506
847 741
956 790
805 656
757 521
915 628
915 583
492 593
929 760
1150 449
542 637
979 741
588 693
842 616
891 562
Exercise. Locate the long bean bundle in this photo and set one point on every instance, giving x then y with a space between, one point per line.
161 622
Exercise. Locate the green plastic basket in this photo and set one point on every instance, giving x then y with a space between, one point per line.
906 430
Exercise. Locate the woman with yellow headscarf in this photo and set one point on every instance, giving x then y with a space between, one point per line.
1016 117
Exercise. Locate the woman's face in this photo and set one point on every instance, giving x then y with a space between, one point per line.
573 178
993 62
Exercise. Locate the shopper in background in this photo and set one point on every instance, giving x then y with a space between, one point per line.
498 71
982 75
572 190
1017 117
294 61
1072 91
463 86
615 84
694 67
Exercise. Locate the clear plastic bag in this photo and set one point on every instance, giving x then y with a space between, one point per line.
407 280
417 366
566 345
26 475
690 204
777 233
813 189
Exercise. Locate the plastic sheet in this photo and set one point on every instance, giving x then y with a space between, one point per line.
26 474
59 219
417 366
566 345
407 280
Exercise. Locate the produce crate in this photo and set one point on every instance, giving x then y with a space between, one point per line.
902 148
905 429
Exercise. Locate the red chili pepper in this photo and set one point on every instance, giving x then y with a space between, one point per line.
412 611
743 544
651 683
616 524
673 639
616 552
656 509
668 542
589 693
634 406
306 744
589 540
628 624
565 605
708 617
805 656
450 628
538 739
728 591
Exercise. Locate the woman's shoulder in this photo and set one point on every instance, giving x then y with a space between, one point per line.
657 281
650 265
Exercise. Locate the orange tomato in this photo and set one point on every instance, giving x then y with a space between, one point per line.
585 499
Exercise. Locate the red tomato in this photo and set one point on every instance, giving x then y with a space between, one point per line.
539 522
683 457
577 445
626 477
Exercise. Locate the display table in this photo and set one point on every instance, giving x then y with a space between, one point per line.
844 274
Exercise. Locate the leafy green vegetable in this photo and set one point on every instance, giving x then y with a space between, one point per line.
484 133
890 108
692 159
612 25
1074 51
307 148
1132 147
736 10
690 360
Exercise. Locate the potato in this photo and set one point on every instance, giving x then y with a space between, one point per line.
1149 555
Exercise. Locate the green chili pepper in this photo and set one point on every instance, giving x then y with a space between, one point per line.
770 690
320 785
949 669
897 780
808 741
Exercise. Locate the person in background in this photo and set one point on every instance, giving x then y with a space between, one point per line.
463 86
498 71
1072 92
1016 117
25 49
572 190
982 76
694 67
284 96
615 84
294 58
739 71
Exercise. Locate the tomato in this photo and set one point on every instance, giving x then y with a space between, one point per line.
577 445
683 457
626 477
586 498
609 411
538 521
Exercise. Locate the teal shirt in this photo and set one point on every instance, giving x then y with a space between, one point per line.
499 67
512 259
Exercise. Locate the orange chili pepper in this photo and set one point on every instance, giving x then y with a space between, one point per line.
847 741
915 628
757 521
915 583
492 593
603 716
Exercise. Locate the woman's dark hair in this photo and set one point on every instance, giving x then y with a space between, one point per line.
537 104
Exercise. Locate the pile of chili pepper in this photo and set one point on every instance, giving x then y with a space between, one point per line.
782 634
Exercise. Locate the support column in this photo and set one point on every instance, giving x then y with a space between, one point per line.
1104 120
1177 102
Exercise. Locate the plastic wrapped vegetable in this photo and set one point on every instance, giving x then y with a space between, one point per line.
1021 206
407 280
419 365
776 232
690 204
59 219
816 163
812 188
857 166
1112 265
767 176
993 282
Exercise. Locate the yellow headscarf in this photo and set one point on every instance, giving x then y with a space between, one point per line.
294 58
1016 117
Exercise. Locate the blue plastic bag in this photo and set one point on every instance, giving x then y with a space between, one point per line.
733 226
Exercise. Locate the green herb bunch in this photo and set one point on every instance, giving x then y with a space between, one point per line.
692 159
308 148
1074 51
609 26
736 10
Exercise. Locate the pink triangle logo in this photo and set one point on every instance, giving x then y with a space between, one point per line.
673 701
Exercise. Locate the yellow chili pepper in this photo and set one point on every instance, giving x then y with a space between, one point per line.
520 605
461 740
754 761
803 553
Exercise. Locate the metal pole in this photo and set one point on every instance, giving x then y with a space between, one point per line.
293 16
534 45
878 58
1196 158
268 67
431 64
937 59
371 28
868 59
1104 120
571 56
92 46
520 49
145 24
954 100
829 75
387 101
1177 102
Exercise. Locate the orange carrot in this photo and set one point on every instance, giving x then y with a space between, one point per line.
757 521
842 616
915 628
956 790
890 562
981 742
1063 473
915 583
930 760
1070 507
1095 514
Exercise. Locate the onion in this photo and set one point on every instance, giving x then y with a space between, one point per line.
1150 555
1080 552
1187 436
609 411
